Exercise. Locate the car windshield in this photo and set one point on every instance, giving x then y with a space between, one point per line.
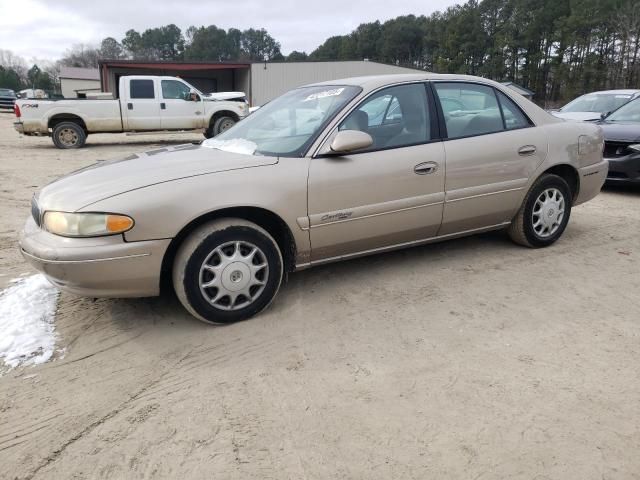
597 102
5 92
286 126
627 113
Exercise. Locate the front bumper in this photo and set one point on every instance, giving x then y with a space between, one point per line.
95 267
624 169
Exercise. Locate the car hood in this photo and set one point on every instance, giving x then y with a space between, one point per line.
108 178
580 116
621 132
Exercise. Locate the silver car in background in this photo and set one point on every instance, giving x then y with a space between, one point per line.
592 106
325 172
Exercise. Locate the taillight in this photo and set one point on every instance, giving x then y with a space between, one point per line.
16 109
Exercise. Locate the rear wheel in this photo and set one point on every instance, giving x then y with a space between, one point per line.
68 135
227 270
544 214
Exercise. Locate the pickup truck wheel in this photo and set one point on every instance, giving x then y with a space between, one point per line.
544 214
68 135
222 124
227 270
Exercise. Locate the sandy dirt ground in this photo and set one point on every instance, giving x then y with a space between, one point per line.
472 359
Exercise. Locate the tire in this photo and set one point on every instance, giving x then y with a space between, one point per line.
538 223
206 246
68 135
223 123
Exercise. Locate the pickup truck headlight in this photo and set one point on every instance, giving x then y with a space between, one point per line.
86 224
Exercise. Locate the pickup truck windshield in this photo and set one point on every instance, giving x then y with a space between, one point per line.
5 92
286 126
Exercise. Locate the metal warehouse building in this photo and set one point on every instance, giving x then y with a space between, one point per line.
260 81
77 82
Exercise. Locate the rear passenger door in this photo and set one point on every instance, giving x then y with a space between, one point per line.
142 108
492 148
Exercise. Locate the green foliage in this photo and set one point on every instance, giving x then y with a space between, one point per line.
39 79
296 56
9 78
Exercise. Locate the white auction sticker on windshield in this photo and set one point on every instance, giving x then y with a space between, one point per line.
327 93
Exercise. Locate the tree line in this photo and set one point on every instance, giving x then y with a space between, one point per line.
556 48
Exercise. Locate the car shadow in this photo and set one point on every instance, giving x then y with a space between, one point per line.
628 190
143 144
165 313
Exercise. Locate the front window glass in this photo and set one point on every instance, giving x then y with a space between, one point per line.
287 125
469 109
596 102
627 113
394 117
172 89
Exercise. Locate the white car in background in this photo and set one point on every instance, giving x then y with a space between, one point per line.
592 106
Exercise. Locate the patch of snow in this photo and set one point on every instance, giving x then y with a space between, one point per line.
234 145
27 329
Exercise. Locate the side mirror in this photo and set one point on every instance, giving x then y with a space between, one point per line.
192 96
350 140
604 115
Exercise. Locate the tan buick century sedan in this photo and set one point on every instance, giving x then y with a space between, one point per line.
325 172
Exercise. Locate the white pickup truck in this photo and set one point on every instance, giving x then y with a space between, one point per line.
141 104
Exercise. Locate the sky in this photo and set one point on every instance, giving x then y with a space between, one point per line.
45 29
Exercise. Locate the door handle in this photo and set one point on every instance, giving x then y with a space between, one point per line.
425 168
163 106
130 106
527 150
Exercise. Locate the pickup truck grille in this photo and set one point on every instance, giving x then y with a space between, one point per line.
35 211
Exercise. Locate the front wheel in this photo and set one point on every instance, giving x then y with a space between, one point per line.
227 270
223 124
544 214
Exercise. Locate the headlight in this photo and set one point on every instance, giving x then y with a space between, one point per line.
635 147
86 224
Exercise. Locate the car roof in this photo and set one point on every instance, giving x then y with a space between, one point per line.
627 91
375 81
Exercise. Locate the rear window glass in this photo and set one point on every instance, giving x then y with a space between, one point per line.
513 116
142 89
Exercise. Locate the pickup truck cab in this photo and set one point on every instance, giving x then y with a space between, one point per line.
143 104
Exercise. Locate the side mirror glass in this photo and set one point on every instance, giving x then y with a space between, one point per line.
350 140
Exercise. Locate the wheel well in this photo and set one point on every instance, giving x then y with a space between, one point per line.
266 219
570 175
66 117
223 113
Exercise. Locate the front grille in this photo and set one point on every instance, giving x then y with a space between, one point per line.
615 149
35 211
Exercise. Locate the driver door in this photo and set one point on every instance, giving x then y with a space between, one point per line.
177 110
387 195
